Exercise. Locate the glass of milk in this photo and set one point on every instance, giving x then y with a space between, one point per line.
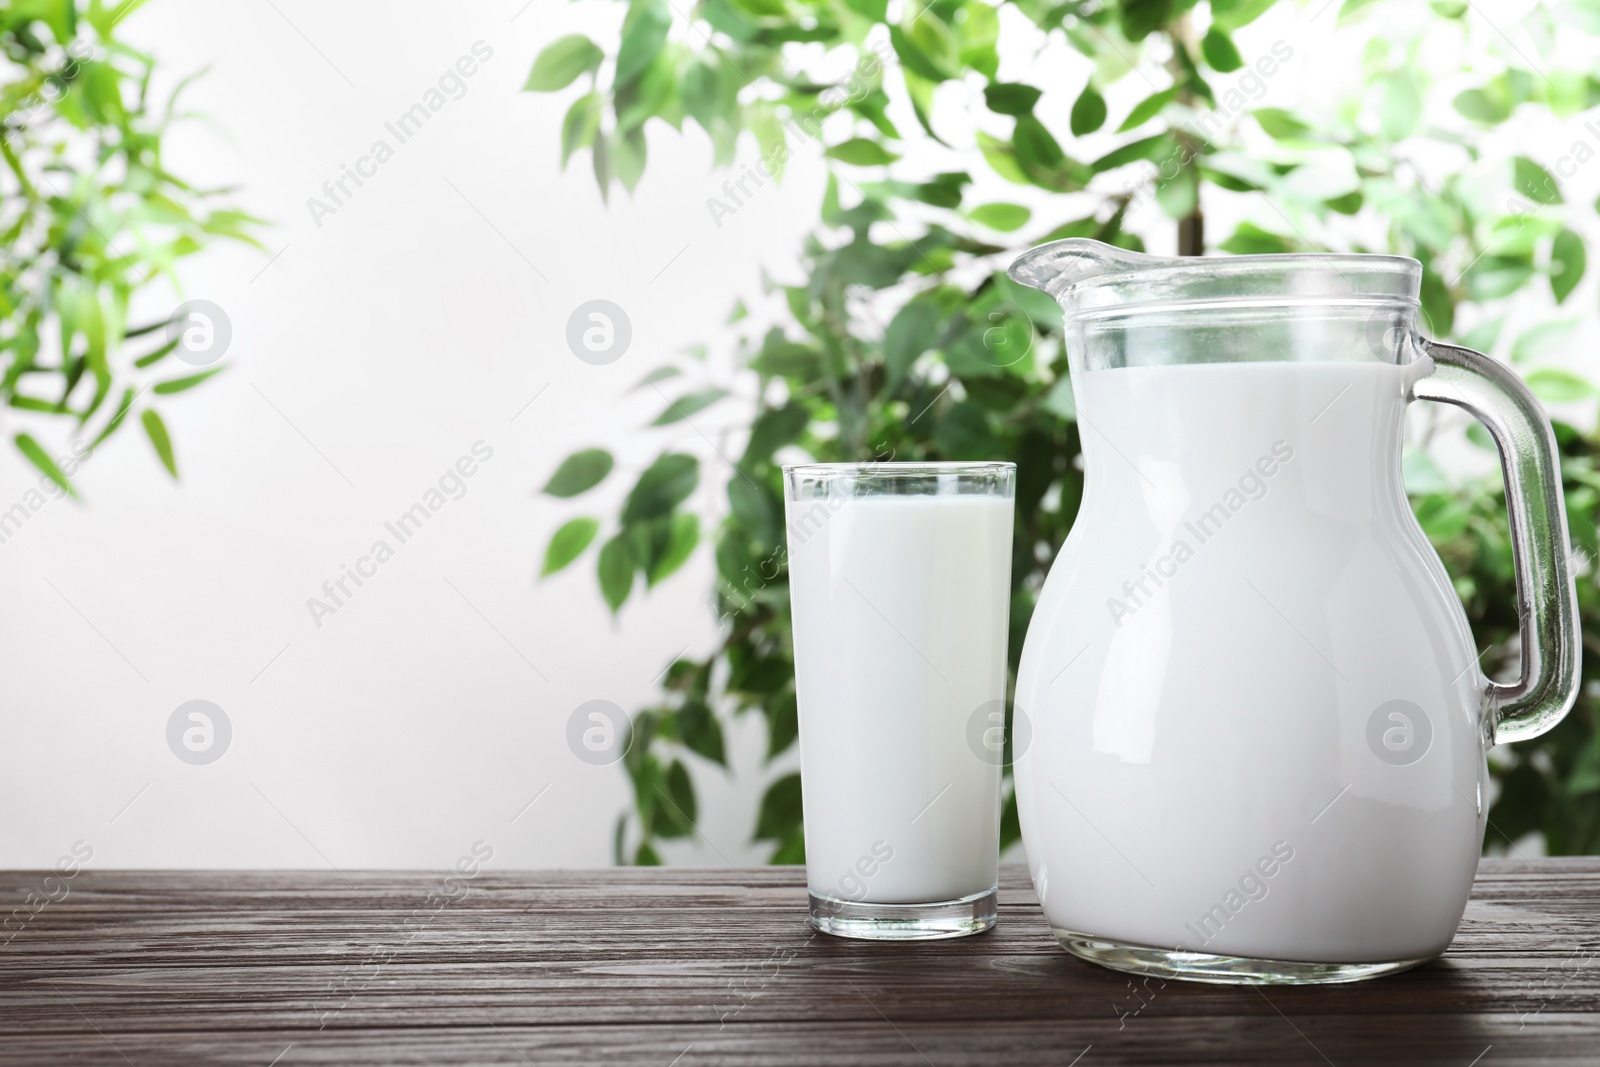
900 586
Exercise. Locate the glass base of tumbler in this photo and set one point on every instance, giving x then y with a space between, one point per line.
904 922
1221 970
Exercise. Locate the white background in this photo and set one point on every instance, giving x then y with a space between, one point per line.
391 338
367 356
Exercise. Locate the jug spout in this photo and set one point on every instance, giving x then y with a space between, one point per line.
1054 267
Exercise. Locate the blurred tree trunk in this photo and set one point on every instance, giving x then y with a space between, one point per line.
1192 227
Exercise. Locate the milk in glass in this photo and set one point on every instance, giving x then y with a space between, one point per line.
900 606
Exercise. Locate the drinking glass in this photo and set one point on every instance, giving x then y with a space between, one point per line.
900 578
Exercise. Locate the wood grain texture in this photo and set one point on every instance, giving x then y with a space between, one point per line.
676 966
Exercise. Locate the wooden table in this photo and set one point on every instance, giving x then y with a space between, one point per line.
683 967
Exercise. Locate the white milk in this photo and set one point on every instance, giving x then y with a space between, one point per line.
900 617
1243 589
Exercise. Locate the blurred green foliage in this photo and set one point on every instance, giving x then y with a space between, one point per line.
969 366
89 216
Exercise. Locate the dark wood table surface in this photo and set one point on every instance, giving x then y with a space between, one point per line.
680 967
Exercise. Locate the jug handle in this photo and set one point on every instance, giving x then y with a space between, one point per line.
1547 600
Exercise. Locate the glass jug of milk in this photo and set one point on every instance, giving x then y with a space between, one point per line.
1258 719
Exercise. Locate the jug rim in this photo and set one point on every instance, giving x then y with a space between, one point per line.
905 469
1087 276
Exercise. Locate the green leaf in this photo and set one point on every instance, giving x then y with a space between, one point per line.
913 55
1442 517
579 473
579 127
1482 107
1002 159
700 731
876 10
770 139
1179 195
660 374
1438 306
861 262
600 155
1157 147
782 358
780 809
1541 340
1088 111
1249 239
178 385
616 567
978 36
1478 435
664 485
157 356
675 803
783 723
700 89
1279 124
755 509
1568 260
1220 52
775 428
1002 217
1351 9
644 31
1230 15
1493 277
1559 386
791 852
687 405
998 340
1482 337
41 459
1348 204
568 543
861 152
1534 182
1140 18
561 62
1568 92
759 675
682 538
1010 98
156 430
1400 108
1147 109
628 155
911 332
1036 146
943 191
33 403
966 433
1084 227
932 40
921 92
650 542
1420 473
117 420
1060 401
